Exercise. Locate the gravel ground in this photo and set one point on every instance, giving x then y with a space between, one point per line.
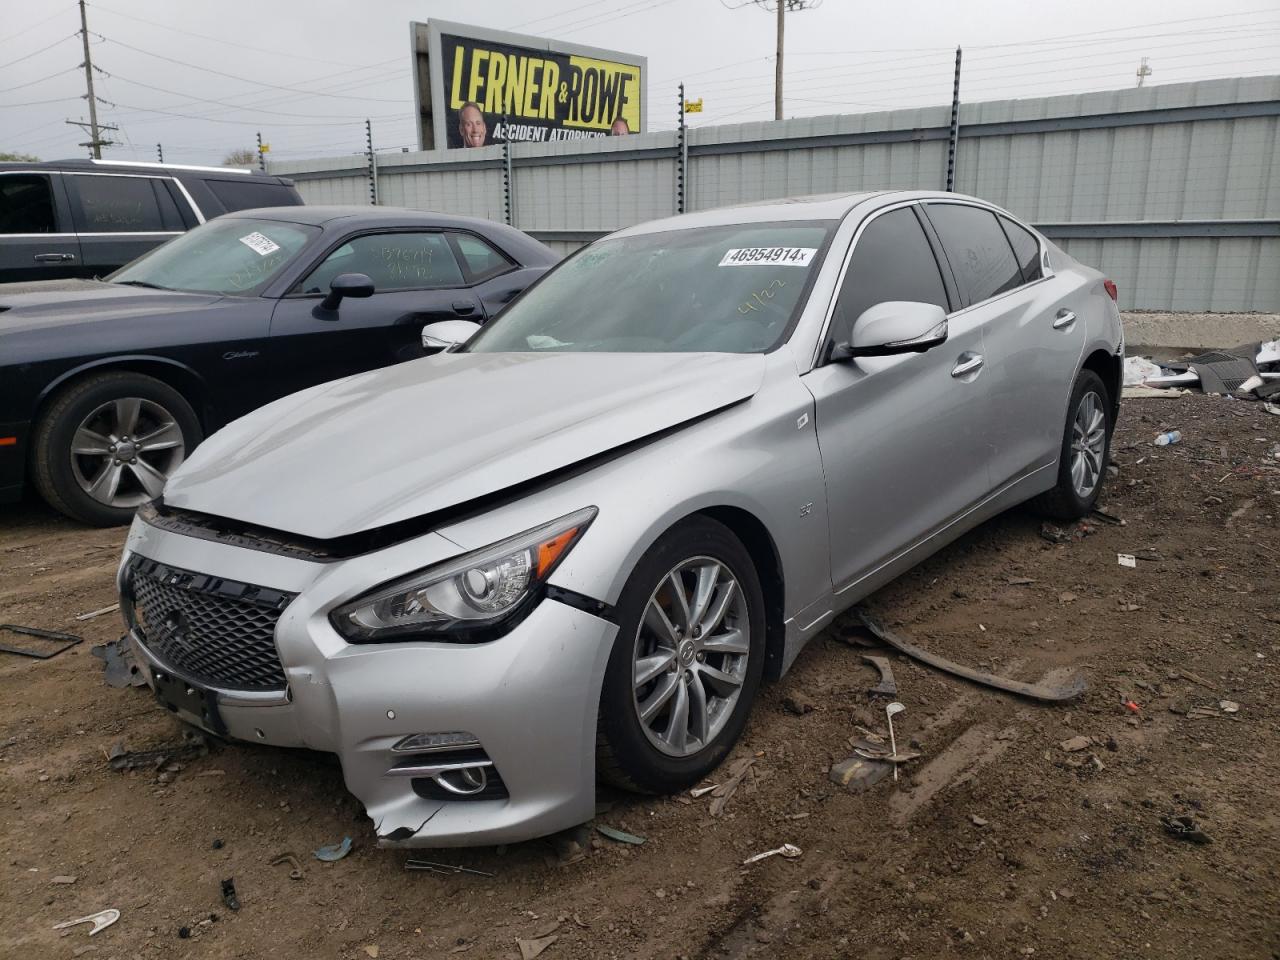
997 842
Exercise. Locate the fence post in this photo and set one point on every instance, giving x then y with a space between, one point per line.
955 128
682 155
508 207
373 163
262 157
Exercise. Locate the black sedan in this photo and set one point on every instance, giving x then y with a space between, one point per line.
106 386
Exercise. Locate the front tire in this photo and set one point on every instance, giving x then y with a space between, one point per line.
1086 448
107 444
686 662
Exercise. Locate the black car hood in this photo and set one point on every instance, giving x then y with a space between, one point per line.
52 303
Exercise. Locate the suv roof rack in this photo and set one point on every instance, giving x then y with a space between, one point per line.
151 164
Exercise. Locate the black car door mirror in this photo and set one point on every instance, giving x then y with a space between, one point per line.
894 327
347 285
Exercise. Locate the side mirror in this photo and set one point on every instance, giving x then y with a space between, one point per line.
893 327
448 334
347 285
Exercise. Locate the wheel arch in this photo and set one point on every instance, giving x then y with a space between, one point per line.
176 375
1108 367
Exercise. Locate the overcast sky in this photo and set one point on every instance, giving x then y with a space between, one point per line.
307 72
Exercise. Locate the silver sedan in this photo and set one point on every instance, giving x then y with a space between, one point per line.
572 544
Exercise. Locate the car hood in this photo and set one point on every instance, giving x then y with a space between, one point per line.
423 436
51 303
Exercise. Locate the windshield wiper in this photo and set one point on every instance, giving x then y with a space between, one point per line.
141 283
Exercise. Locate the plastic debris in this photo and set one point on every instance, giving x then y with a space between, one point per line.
65 641
886 686
1076 744
1138 369
620 835
296 872
97 613
890 711
1185 828
100 920
334 852
229 894
1126 559
1132 706
1229 706
118 664
534 948
697 792
788 850
1167 438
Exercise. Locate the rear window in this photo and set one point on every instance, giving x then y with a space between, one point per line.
26 204
980 255
103 203
246 194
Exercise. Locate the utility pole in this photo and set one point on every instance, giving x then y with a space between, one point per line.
96 143
160 153
1144 71
781 8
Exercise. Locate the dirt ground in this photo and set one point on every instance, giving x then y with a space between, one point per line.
997 842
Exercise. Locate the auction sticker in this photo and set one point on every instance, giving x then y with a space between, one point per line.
768 256
260 244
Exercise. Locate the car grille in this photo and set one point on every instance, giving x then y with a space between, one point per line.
212 630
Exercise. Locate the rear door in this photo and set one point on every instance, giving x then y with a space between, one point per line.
37 239
119 217
1032 336
904 439
417 280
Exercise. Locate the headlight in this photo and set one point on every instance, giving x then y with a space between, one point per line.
467 599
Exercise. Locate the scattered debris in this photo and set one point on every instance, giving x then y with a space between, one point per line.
334 852
118 664
1185 828
63 880
1077 531
65 641
296 872
432 867
1229 706
100 920
1076 744
534 948
977 821
1194 678
1132 707
620 835
798 704
886 685
788 850
697 792
372 950
229 894
857 773
194 744
1167 438
1126 560
890 711
723 793
1036 691
1105 517
1138 369
97 613
1067 597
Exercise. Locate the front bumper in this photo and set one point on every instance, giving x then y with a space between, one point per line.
529 698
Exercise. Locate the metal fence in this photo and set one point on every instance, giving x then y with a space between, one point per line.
1173 190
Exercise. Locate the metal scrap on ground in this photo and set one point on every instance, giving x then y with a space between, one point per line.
65 641
1035 691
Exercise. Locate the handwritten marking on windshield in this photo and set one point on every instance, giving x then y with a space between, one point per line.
759 298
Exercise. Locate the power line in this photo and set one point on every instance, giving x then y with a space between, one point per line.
38 23
40 51
32 83
208 119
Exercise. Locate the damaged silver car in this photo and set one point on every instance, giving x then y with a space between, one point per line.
573 545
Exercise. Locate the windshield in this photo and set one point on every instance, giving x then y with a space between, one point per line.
229 256
727 289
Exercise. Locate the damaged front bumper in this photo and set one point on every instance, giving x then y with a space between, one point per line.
445 744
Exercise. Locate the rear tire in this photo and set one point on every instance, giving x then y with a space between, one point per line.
81 439
707 666
1086 449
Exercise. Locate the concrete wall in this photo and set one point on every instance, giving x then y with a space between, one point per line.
1173 190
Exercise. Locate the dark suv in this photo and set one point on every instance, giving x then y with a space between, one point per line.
86 218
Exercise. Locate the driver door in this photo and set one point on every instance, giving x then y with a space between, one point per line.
904 439
416 281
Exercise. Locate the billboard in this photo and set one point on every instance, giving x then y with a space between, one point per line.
476 87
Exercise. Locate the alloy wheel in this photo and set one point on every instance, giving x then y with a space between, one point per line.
691 653
1088 444
123 451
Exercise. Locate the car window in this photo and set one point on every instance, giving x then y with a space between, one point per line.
1026 248
393 261
26 204
723 289
482 261
245 194
227 255
892 261
102 204
980 255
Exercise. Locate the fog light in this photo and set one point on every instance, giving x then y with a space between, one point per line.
430 742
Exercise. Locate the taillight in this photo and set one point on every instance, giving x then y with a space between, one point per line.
1110 287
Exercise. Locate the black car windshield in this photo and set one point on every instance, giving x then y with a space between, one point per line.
228 255
730 289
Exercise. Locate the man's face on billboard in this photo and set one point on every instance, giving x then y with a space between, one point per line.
619 128
472 126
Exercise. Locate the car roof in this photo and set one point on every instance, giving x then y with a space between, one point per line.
823 206
141 166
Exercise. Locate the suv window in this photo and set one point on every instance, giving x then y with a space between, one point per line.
26 204
245 194
1025 247
481 260
980 255
393 261
892 261
105 204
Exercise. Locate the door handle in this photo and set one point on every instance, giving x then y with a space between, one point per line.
967 363
1064 319
54 257
462 308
